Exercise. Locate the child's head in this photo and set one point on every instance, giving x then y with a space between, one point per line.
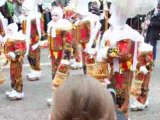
82 98
12 28
56 13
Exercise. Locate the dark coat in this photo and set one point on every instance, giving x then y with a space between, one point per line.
136 22
153 29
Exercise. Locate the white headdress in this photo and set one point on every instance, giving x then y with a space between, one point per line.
79 6
30 5
134 7
123 9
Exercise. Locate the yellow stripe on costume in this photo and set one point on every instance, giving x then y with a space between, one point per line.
55 54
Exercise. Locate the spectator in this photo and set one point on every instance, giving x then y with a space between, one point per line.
7 10
136 22
154 29
82 98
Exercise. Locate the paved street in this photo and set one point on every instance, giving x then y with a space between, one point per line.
34 107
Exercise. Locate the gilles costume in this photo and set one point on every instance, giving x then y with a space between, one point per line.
15 48
142 78
122 66
87 28
31 27
60 42
121 44
60 47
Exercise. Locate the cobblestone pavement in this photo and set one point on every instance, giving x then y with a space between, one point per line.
34 107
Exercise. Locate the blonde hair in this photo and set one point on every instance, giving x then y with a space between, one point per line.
82 98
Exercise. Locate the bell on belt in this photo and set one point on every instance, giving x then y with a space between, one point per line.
113 52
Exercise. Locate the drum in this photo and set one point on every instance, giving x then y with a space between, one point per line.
98 70
61 75
90 64
101 71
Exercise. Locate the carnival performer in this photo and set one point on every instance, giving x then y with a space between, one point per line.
3 24
76 57
60 45
15 48
87 27
140 83
31 27
120 44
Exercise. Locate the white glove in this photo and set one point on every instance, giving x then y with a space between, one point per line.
144 70
12 55
77 22
35 46
102 54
